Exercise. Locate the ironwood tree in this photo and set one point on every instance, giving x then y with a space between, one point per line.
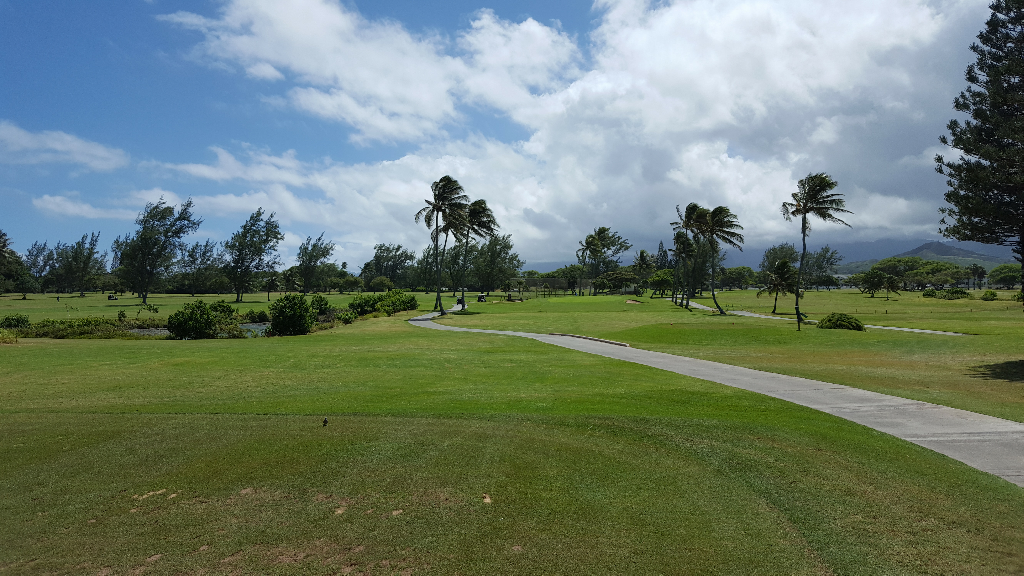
986 183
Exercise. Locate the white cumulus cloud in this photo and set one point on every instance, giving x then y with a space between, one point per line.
19 146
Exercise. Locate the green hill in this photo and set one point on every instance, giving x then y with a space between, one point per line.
933 251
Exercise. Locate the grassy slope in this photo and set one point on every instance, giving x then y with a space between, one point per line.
592 465
983 372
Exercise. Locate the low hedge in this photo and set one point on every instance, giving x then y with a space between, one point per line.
840 321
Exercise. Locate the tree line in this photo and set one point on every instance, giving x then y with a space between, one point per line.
157 258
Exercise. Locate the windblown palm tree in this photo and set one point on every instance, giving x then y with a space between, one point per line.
447 205
686 223
780 280
715 226
643 267
683 249
590 248
813 197
479 221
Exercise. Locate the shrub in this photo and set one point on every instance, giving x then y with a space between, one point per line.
8 336
397 301
291 315
953 294
319 304
122 316
364 304
840 321
74 328
1017 296
195 321
929 293
346 316
14 321
256 317
222 308
989 295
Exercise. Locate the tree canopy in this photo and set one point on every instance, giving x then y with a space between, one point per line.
251 250
986 186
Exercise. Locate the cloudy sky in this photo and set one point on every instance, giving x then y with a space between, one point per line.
564 116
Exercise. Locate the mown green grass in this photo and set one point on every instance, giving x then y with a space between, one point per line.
591 465
981 372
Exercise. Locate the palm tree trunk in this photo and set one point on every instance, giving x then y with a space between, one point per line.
713 298
437 265
686 283
800 271
462 270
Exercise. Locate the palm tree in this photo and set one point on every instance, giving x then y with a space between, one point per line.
590 247
687 220
479 221
683 249
812 198
643 267
717 226
781 279
448 203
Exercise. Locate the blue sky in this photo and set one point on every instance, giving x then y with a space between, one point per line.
563 115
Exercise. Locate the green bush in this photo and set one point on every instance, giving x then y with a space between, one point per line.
989 295
364 304
389 303
291 315
397 301
840 321
195 321
256 317
222 309
953 294
346 316
1017 296
74 328
929 293
8 336
319 304
14 321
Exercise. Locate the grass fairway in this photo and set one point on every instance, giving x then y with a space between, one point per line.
122 456
983 372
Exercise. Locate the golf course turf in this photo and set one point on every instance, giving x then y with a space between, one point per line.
467 453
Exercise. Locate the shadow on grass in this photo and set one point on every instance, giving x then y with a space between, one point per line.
1011 371
465 313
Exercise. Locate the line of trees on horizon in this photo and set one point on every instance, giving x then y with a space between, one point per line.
156 258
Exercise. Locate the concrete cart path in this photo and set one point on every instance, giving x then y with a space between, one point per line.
755 315
984 442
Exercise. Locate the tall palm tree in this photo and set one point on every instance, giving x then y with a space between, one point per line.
686 223
643 267
448 202
813 197
479 221
779 280
590 248
716 226
683 249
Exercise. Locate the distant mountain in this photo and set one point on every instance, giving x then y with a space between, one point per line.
856 267
934 251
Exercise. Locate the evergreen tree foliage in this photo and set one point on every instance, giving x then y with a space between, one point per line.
251 250
986 184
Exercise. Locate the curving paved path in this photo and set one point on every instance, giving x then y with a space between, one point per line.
984 442
755 315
